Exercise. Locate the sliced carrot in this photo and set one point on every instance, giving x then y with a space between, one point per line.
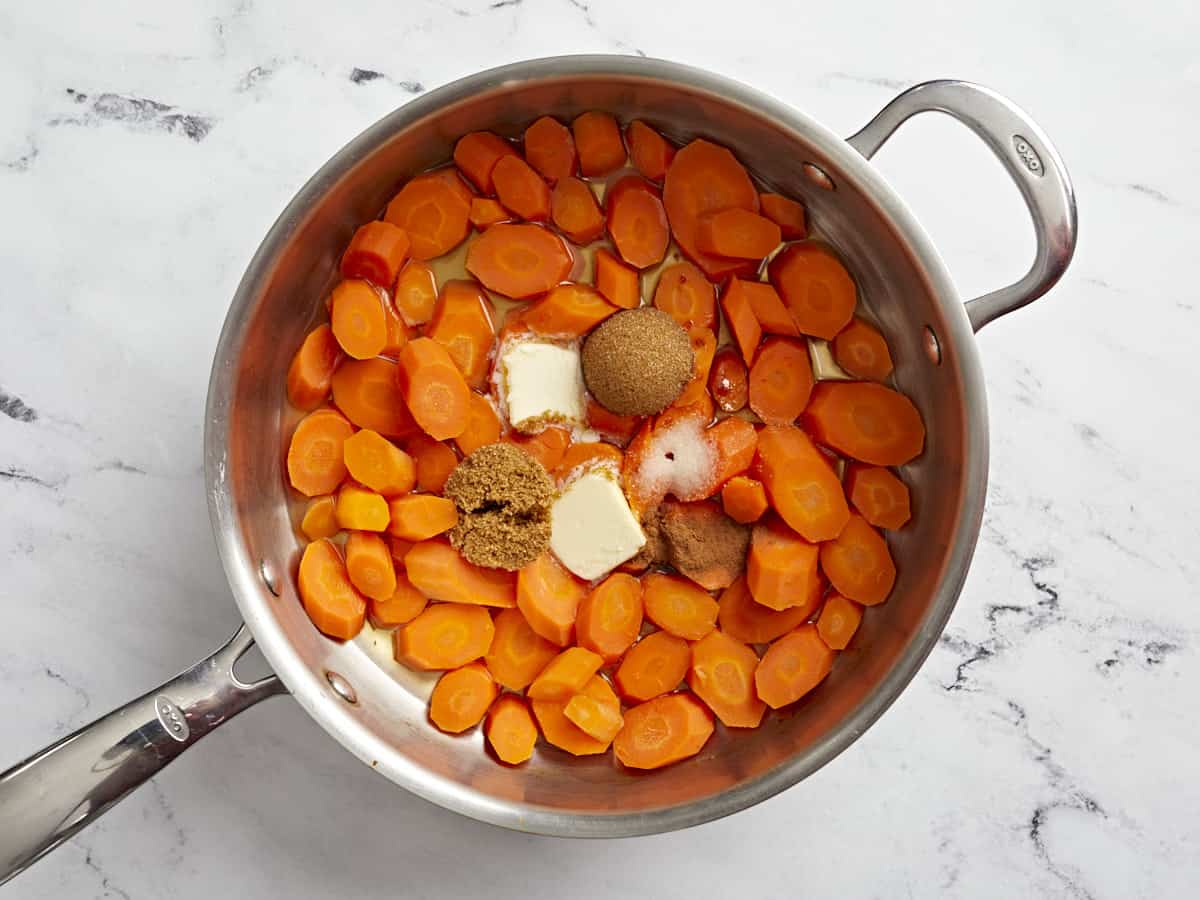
735 232
369 564
587 455
781 566
858 563
518 261
686 296
332 602
376 253
444 636
745 619
518 653
358 319
597 720
786 213
575 212
434 210
367 393
728 381
781 380
547 446
399 548
398 332
404 605
865 421
704 348
649 151
618 428
477 153
663 731
319 519
739 315
434 461
483 426
878 495
838 621
461 698
744 499
311 370
610 616
416 292
550 149
616 281
736 441
677 606
549 596
768 307
464 323
801 483
818 291
485 211
521 189
315 459
565 675
510 729
419 517
654 665
379 464
598 141
637 222
569 310
433 389
861 350
359 509
565 734
792 666
722 675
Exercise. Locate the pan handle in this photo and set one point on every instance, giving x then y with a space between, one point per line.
1031 162
53 794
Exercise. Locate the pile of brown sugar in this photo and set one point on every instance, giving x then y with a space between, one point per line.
503 497
637 361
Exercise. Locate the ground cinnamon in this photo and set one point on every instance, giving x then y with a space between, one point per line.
703 543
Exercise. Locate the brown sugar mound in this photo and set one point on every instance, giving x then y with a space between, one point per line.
637 361
703 543
503 497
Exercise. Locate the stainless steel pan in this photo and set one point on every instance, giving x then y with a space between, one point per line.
375 707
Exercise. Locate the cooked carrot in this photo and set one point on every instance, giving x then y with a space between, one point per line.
398 332
637 222
404 605
419 517
792 666
704 348
547 446
569 310
565 734
332 602
365 390
444 636
416 292
477 153
587 455
649 151
434 210
728 381
858 563
399 548
461 698
880 496
565 675
616 281
311 370
464 323
722 675
549 597
745 619
654 665
597 720
739 315
379 464
575 212
518 653
433 389
610 616
358 319
434 461
376 253
818 291
702 178
598 141
485 211
781 566
510 729
359 509
786 213
781 380
521 189
550 149
518 261
736 441
663 731
319 520
768 307
744 499
686 296
861 350
619 429
315 459
483 426
735 232
838 621
801 483
677 606
369 564
865 421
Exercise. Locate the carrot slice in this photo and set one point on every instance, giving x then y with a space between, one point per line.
739 314
637 222
376 253
781 380
703 178
319 519
865 421
744 499
818 291
483 426
358 319
359 509
315 460
521 189
477 153
736 441
686 296
738 233
587 455
464 323
434 210
565 675
510 729
569 310
768 307
598 141
838 621
649 151
619 428
311 369
416 293
858 563
518 261
610 616
376 462
549 596
547 446
786 213
461 698
617 281
485 211
801 483
663 731
369 564
575 212
792 666
565 734
550 149
722 675
878 495
398 333
441 573
332 602
728 381
704 348
433 389
781 566
419 517
365 390
861 350
518 653
444 636
434 462
677 606
743 618
597 719
404 605
654 665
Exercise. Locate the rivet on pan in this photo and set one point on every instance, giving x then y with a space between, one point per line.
933 349
817 176
341 687
268 577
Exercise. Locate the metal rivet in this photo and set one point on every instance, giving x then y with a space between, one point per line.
817 176
268 576
933 348
341 687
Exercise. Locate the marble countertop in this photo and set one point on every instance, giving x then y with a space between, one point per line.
1049 747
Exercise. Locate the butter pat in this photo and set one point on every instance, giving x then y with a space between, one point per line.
592 529
542 384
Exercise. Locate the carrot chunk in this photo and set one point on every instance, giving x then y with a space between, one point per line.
685 295
738 233
434 210
610 616
365 390
768 307
743 618
597 719
838 621
461 698
398 332
786 213
332 602
319 520
550 149
549 596
736 441
547 446
404 605
728 381
878 495
637 222
316 455
575 212
619 428
818 291
434 462
781 380
521 189
801 483
369 564
419 517
477 153
598 141
358 319
739 314
565 734
565 675
744 499
858 563
695 392
464 323
441 573
861 350
662 731
865 421
485 211
587 455
416 293
617 281
510 729
722 675
792 666
358 509
376 253
569 310
433 389
518 261
311 369
518 653
483 426
444 636
379 464
781 567
649 151
654 665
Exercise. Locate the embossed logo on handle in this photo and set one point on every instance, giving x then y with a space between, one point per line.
172 718
1028 155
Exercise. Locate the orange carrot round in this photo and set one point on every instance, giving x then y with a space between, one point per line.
569 310
434 461
744 499
610 617
311 369
781 380
878 495
861 350
358 509
595 718
367 393
404 605
376 253
565 675
441 573
316 457
739 316
620 429
747 620
649 151
369 564
769 309
801 483
433 389
781 567
677 606
549 596
586 455
565 734
521 189
483 426
598 141
398 332
464 323
818 291
518 653
434 209
419 517
358 319
575 212
510 729
461 698
319 520
738 233
838 621
685 295
654 665
375 461
550 149
333 604
485 211
865 421
858 563
786 213
547 446
477 153
616 281
444 636
662 731
736 441
637 222
722 675
518 261
704 348
416 292
728 381
792 666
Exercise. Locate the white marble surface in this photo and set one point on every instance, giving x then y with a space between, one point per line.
1050 746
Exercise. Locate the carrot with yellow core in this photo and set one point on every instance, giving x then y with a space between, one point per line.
369 564
332 602
316 461
441 573
433 389
444 636
461 698
518 653
662 731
